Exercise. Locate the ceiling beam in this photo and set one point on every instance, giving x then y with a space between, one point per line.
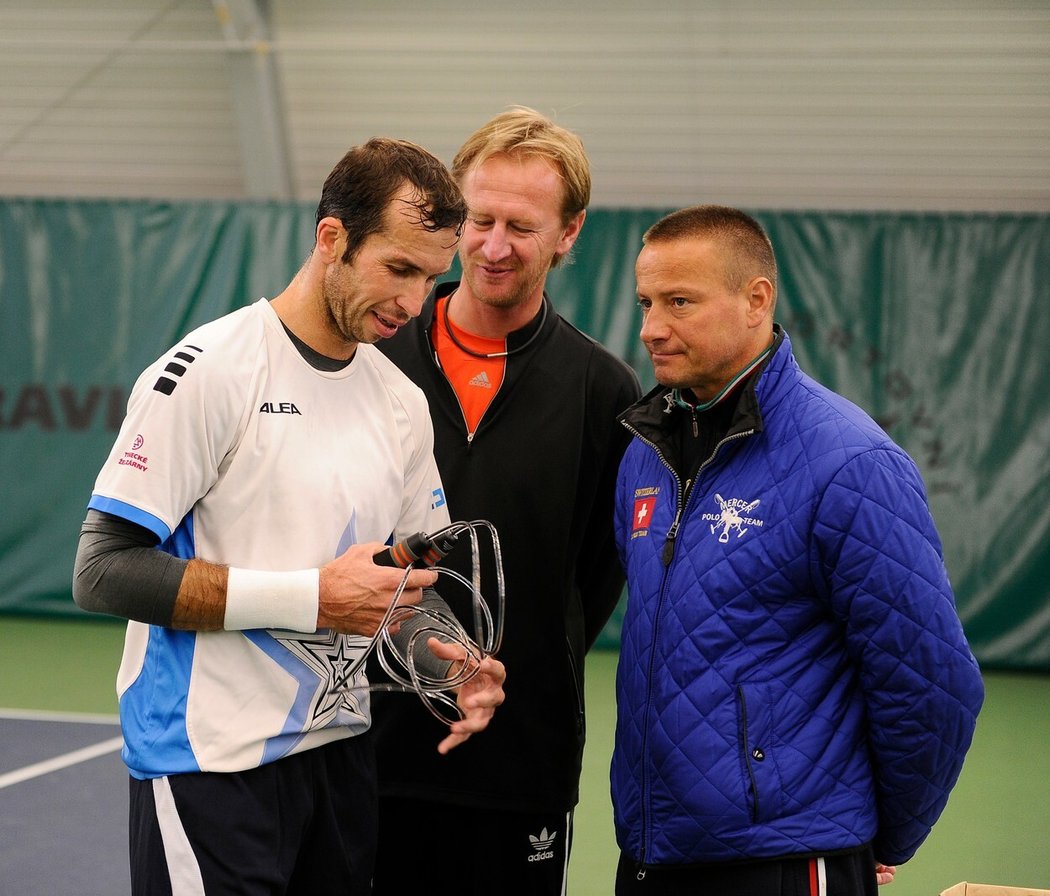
255 85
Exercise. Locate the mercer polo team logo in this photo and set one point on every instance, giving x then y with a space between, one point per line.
542 844
733 518
644 505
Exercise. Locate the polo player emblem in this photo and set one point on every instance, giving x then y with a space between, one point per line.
734 517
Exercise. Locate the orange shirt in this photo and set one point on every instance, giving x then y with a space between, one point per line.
475 379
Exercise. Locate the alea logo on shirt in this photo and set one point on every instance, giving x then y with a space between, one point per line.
542 846
279 407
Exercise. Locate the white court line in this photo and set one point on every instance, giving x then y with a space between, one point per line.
41 715
59 762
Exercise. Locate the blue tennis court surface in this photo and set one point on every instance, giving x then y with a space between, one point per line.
63 806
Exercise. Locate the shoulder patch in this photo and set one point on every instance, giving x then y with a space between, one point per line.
176 367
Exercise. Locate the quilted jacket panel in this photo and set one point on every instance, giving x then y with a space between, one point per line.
796 679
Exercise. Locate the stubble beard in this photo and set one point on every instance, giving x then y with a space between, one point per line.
345 320
497 297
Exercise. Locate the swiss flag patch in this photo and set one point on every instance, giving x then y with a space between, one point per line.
643 511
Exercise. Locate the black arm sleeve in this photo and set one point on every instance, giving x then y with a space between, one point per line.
119 571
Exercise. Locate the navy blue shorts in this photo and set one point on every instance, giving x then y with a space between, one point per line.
305 824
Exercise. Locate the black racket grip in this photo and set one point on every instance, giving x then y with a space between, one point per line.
416 550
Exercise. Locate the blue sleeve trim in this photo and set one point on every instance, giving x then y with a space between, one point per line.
132 514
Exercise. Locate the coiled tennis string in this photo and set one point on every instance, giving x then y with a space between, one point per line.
399 661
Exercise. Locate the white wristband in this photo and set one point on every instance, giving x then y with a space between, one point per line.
286 600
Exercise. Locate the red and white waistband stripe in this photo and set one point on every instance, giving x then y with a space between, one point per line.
818 883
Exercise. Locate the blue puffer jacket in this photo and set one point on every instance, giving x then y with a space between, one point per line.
793 675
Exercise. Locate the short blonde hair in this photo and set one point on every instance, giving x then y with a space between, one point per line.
524 131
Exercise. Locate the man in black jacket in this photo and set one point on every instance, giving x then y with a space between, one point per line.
524 409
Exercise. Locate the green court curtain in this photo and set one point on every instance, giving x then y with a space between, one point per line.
936 324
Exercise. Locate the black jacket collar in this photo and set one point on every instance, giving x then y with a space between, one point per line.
652 416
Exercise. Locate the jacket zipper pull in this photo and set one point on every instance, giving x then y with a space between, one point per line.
668 550
696 428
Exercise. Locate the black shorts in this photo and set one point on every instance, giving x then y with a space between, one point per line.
841 874
305 824
439 849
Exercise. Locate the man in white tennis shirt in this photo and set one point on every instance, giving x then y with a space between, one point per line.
264 461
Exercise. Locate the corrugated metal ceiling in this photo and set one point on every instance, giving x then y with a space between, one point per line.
800 104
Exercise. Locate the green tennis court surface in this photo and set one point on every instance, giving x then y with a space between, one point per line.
63 792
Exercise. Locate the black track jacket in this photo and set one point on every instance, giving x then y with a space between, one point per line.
542 468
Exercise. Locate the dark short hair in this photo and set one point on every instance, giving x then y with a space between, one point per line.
366 179
749 250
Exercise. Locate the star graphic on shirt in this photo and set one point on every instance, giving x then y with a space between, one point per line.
329 656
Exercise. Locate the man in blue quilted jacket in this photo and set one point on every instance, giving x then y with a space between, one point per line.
795 693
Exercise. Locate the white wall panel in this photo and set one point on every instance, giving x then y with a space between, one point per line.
794 104
115 98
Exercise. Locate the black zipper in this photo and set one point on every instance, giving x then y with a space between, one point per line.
462 414
574 671
745 742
